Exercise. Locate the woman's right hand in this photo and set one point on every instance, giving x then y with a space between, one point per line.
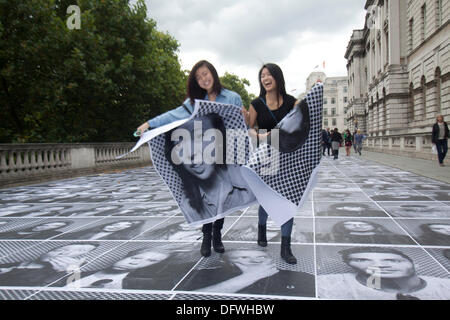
143 127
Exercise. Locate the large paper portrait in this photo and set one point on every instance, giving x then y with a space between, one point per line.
200 161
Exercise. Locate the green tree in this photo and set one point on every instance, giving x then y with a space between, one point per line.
94 84
234 83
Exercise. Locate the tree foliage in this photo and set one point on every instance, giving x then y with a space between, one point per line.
95 84
234 83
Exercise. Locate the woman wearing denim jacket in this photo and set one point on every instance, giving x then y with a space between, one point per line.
203 83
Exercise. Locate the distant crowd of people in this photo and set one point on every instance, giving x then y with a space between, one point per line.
334 140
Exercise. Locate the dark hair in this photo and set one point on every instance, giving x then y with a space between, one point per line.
426 227
277 74
194 91
66 223
446 253
347 252
340 232
143 250
118 235
189 182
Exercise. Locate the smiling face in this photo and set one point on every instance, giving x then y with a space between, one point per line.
386 265
443 229
196 145
349 207
248 257
140 260
204 78
118 226
267 80
358 226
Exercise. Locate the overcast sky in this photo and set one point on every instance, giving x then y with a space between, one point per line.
238 36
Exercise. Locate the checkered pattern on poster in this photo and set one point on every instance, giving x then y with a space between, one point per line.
293 176
237 144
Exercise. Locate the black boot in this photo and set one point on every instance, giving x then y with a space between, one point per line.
205 250
262 238
217 241
286 252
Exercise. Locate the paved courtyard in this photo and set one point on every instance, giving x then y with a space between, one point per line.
364 228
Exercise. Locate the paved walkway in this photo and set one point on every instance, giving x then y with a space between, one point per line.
121 236
426 168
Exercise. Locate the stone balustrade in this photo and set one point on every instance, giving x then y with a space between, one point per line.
410 145
34 162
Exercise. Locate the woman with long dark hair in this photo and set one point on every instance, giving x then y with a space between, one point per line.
266 112
359 231
117 230
203 83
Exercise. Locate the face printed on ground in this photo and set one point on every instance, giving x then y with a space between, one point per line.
49 226
443 229
193 162
358 226
294 128
71 251
204 78
118 226
351 207
140 260
248 257
386 265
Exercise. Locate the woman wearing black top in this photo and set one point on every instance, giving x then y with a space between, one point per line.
265 112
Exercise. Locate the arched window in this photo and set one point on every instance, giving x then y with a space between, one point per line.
423 85
438 90
411 103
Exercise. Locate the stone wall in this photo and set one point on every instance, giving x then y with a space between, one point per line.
36 162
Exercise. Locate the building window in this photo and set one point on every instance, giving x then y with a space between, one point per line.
325 111
423 84
333 111
437 76
333 122
345 99
438 13
333 100
423 17
345 89
325 101
411 103
325 122
387 47
411 34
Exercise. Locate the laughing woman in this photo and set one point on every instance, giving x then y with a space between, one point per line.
266 112
203 83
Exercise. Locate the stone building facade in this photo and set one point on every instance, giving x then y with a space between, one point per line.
398 68
335 99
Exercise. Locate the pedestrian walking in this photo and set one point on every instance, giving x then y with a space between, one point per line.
439 137
336 141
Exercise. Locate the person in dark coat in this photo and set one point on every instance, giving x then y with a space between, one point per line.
336 140
439 137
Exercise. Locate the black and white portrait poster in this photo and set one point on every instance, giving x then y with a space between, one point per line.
213 168
199 159
281 174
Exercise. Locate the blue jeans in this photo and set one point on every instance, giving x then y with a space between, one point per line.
286 228
442 148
